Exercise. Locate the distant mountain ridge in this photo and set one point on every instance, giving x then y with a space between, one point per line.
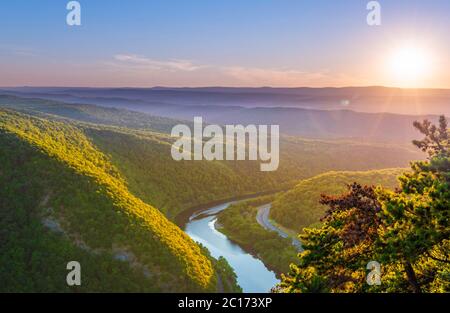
360 99
139 146
314 118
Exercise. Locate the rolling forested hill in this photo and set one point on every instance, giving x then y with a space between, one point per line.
361 99
89 113
88 183
139 147
300 207
62 200
372 113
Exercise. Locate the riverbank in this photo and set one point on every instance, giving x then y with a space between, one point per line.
238 223
250 250
252 274
183 217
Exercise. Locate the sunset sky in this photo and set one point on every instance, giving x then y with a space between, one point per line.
145 43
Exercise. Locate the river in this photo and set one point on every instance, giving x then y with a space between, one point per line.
252 274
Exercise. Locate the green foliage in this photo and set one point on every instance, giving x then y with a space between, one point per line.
238 222
97 181
89 113
406 230
300 207
33 257
83 193
416 217
139 147
145 161
226 277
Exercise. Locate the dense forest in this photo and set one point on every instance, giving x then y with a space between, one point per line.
300 207
292 211
61 199
404 230
98 185
138 145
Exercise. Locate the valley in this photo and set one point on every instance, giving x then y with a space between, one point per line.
186 152
110 182
368 113
252 274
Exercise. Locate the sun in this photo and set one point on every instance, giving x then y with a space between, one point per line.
409 66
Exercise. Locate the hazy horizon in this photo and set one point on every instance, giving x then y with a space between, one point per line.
226 87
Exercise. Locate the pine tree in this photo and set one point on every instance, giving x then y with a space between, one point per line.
406 230
415 218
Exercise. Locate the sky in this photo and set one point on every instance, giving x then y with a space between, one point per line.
253 43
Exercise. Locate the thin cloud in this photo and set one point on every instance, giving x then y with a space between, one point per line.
277 77
147 63
183 72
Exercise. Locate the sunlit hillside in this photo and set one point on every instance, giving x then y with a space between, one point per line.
139 147
61 198
300 207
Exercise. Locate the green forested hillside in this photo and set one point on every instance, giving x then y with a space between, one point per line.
62 200
89 113
139 147
375 239
145 161
300 207
89 184
294 209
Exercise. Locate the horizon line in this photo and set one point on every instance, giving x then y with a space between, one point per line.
230 87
